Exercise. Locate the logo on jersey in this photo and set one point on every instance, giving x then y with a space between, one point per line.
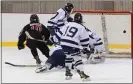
36 26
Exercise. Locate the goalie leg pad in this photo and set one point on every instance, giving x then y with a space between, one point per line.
96 59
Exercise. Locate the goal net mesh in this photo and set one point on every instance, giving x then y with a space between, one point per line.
114 28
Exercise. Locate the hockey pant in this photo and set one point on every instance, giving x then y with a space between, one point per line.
33 45
56 59
73 56
52 30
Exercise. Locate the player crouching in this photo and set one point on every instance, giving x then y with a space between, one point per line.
56 59
97 52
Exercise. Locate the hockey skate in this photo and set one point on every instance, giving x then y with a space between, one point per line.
38 61
68 74
41 69
83 76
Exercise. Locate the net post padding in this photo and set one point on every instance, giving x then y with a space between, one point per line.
132 34
113 13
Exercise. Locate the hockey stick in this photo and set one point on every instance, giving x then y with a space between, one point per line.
15 65
28 35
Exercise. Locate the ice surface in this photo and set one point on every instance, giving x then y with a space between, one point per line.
112 71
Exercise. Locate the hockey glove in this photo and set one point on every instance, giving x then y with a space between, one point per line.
98 49
21 46
85 50
50 41
69 19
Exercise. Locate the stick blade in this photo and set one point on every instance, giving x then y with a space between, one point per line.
10 64
20 65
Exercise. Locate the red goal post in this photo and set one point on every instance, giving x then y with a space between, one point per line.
112 21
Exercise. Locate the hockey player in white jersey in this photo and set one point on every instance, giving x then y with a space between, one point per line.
56 59
57 56
98 53
71 37
62 15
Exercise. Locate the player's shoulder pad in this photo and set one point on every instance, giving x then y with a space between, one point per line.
84 26
41 24
60 10
66 13
87 29
27 26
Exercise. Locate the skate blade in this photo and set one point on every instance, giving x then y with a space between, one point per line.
68 77
87 79
39 70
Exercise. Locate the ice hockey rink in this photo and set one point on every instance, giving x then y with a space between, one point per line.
114 70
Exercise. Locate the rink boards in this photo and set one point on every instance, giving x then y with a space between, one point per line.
12 24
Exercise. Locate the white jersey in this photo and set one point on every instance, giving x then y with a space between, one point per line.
73 35
59 19
54 48
95 41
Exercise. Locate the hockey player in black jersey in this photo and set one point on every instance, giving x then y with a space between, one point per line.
34 34
62 15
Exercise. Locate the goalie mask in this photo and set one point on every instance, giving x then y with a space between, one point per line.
34 18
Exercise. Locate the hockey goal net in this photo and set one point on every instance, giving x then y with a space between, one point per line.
115 29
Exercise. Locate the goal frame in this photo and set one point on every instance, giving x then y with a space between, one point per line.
114 13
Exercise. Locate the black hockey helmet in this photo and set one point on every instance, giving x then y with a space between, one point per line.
69 7
34 18
78 18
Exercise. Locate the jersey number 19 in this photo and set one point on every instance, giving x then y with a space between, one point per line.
70 31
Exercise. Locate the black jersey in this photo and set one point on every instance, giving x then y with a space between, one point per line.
36 30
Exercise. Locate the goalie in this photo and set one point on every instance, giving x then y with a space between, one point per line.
97 54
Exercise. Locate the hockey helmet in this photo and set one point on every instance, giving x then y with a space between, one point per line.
34 18
69 7
78 18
